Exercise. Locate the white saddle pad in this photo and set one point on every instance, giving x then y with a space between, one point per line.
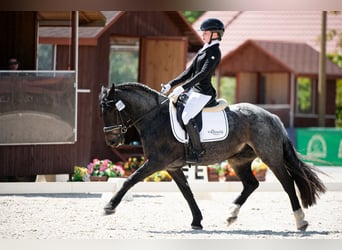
215 126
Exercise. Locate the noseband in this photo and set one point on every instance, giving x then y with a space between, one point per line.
116 129
119 129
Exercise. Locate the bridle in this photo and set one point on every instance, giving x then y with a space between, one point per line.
119 129
122 128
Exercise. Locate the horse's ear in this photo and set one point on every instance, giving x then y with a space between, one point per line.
111 92
103 89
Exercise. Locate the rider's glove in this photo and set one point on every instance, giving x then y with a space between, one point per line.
176 92
165 88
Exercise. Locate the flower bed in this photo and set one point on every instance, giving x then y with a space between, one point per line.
101 170
105 168
224 172
159 176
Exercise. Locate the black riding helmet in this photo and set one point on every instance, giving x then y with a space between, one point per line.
213 25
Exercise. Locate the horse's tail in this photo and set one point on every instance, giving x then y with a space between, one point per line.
304 175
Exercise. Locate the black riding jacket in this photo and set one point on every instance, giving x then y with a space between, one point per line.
200 71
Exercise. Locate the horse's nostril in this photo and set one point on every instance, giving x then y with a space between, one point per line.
109 141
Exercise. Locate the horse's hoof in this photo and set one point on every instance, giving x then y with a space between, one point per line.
304 226
196 227
108 209
231 220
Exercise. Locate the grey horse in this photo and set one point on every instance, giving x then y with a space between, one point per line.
253 132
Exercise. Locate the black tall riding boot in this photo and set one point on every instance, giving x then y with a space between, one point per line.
194 150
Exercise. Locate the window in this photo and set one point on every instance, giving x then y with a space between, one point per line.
123 60
305 95
46 57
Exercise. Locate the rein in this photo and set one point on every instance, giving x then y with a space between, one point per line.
124 126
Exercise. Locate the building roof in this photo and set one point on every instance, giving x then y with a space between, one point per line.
83 32
90 34
290 26
62 18
298 58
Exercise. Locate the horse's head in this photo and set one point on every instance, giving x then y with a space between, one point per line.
114 127
127 105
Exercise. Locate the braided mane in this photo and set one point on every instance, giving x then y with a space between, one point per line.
135 86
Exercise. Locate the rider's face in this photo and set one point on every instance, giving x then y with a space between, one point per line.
206 36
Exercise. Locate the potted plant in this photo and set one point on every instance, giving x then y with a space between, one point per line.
132 164
101 170
221 171
80 174
162 175
259 169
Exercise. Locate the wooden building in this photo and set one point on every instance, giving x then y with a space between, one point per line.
272 55
164 40
269 73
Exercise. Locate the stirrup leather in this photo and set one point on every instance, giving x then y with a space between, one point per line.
194 150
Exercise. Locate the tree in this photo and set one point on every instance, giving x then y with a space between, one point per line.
192 16
336 57
333 34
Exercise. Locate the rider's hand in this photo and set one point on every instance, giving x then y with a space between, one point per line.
165 88
177 91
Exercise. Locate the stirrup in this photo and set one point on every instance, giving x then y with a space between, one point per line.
193 157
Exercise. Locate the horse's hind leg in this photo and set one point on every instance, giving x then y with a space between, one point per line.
249 182
183 185
288 185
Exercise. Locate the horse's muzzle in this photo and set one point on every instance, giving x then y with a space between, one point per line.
114 135
114 140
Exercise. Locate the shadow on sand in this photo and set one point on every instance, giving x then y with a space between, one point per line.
250 233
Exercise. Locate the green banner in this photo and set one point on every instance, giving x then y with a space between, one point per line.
321 146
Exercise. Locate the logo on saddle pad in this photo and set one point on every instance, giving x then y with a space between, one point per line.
215 126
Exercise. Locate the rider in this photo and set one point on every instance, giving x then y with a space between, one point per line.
198 86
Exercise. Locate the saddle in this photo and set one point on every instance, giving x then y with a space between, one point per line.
212 121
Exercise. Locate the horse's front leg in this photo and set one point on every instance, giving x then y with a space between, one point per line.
179 177
144 171
249 182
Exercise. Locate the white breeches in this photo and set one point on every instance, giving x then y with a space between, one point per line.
194 105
